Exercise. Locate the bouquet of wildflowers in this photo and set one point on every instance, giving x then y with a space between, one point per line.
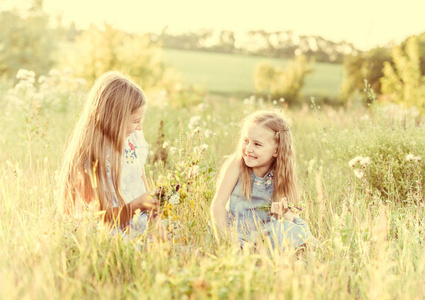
278 208
171 194
174 201
188 172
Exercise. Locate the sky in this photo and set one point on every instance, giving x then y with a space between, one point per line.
364 23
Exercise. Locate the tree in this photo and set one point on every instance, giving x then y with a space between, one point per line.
25 42
404 83
420 39
361 66
101 50
227 41
282 83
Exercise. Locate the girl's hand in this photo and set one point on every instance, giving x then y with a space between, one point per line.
145 202
281 209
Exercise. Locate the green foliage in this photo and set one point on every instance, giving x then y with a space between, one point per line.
373 65
420 39
389 139
282 83
101 50
363 66
25 42
404 82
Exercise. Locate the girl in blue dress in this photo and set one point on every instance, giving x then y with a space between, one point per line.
104 161
259 174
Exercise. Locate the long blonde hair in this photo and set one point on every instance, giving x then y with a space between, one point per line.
284 166
97 140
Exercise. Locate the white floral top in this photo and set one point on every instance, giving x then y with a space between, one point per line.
134 157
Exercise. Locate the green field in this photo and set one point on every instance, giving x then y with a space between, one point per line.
234 74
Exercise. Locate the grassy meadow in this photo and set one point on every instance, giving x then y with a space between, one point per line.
234 74
368 217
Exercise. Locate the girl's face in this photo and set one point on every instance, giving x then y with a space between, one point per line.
259 148
135 121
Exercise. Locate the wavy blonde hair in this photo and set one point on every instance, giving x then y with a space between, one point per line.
284 166
99 133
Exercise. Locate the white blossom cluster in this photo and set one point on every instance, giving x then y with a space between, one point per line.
411 157
363 161
194 122
193 171
359 163
174 199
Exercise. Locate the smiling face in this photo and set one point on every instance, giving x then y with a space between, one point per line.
259 148
135 121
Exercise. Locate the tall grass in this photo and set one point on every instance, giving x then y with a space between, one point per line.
371 244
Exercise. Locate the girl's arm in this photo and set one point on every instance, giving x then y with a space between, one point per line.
227 180
124 214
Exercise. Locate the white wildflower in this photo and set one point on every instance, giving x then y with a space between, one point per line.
26 75
42 79
365 161
410 157
24 85
249 101
197 130
173 150
274 102
358 173
202 106
282 100
357 159
207 133
22 74
174 199
54 73
194 122
165 145
193 171
202 148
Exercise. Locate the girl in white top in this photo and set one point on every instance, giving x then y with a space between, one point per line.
104 161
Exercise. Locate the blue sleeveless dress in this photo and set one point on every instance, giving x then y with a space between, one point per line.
252 221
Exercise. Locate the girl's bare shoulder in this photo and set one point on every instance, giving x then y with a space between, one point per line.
232 164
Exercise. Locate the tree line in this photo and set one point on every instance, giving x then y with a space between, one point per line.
278 44
27 41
